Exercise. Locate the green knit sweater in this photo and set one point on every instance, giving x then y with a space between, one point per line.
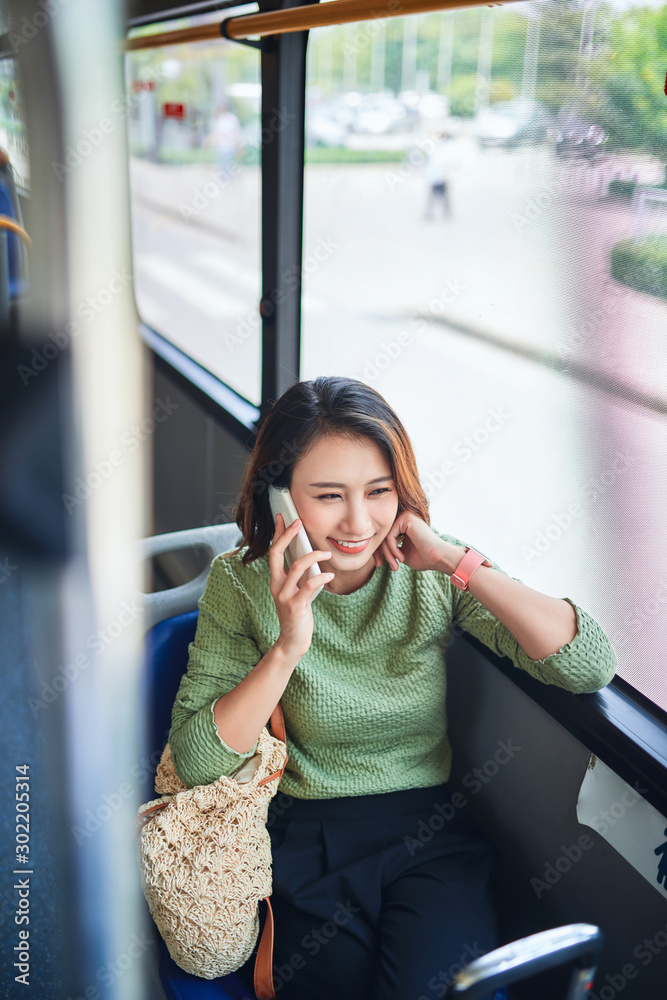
364 708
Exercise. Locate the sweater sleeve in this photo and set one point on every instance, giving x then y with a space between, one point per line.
584 665
221 655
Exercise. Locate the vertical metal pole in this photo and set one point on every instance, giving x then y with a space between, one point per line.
283 106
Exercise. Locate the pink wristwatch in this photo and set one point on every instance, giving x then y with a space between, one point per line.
465 569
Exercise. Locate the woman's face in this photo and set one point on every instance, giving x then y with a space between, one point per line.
344 491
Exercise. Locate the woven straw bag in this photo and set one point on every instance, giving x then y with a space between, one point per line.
205 859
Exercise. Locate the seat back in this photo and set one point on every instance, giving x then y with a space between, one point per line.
170 617
16 254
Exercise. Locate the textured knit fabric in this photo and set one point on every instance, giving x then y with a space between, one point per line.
364 708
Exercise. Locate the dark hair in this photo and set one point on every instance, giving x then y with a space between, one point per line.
305 413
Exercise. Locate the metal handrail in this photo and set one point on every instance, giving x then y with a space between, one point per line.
319 15
580 944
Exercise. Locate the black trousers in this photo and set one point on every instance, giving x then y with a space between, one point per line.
378 897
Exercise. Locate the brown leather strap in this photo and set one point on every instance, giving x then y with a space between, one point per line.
277 722
142 821
264 961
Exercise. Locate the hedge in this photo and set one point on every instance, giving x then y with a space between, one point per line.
642 265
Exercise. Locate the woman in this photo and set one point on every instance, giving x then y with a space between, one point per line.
364 907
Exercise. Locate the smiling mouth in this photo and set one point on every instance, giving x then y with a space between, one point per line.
350 546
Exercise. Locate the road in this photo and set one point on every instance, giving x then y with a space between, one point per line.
561 478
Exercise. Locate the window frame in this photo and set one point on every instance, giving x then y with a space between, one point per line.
619 724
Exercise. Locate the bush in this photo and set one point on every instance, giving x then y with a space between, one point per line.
339 154
641 265
622 189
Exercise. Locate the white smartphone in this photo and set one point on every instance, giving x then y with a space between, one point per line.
282 503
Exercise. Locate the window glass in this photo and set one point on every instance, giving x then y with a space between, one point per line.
13 137
193 113
485 243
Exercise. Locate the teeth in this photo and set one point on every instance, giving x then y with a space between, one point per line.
350 545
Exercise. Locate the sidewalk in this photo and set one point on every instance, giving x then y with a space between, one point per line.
523 262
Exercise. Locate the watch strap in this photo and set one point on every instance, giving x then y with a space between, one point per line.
471 561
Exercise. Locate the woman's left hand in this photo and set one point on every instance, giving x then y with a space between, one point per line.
421 549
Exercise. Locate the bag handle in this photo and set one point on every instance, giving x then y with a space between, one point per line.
263 979
277 723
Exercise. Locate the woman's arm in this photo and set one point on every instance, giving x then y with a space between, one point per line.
539 623
552 639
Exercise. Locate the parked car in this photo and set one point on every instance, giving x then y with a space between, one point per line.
378 114
329 122
575 136
510 123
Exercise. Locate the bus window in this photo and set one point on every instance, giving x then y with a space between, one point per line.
193 131
13 139
475 246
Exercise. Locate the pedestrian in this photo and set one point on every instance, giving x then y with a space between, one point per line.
439 166
380 874
226 136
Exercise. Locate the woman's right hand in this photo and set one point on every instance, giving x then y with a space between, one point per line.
293 602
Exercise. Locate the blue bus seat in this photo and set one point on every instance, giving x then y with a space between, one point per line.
166 661
9 206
